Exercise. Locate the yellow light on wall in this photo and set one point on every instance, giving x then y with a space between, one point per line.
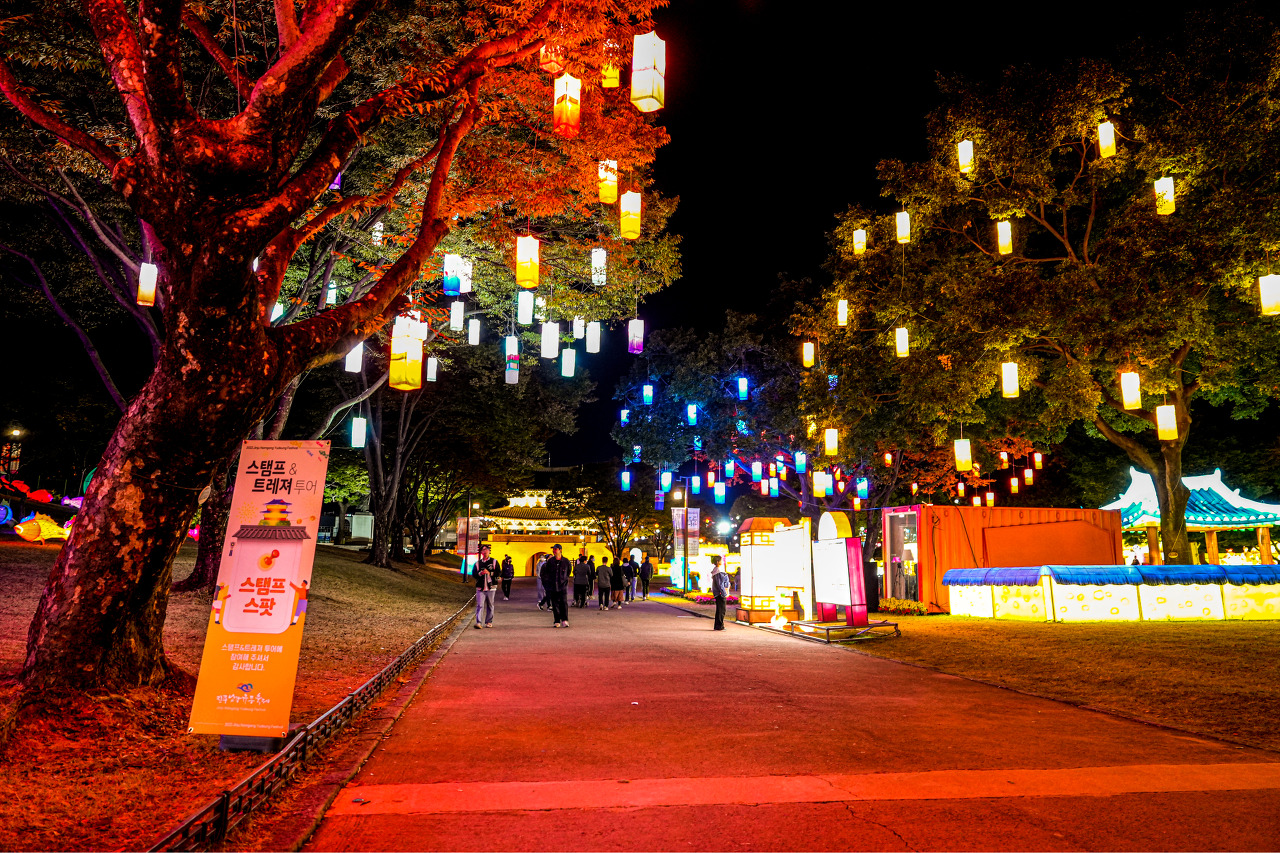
901 342
1164 196
806 354
842 312
964 455
630 208
147 275
860 241
608 181
1166 423
904 226
567 114
1004 236
1130 390
405 372
1269 294
649 73
527 262
831 442
964 153
1107 139
1013 485
1009 379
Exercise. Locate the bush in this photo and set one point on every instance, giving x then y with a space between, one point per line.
903 607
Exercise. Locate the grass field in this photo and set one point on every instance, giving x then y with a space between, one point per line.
113 771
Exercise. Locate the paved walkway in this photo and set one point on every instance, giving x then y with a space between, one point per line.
643 729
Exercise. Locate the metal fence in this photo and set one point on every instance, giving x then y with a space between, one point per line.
211 823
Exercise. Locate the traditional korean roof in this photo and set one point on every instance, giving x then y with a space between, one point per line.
262 531
1100 575
1212 506
525 513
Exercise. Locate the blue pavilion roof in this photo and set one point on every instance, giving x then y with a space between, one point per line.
1212 506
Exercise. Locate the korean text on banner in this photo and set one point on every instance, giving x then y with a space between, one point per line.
694 525
251 648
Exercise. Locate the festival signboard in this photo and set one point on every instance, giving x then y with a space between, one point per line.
254 636
468 532
693 526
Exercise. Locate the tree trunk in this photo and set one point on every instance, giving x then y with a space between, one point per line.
388 534
1172 495
213 532
340 523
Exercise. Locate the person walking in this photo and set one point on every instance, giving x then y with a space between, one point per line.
618 583
646 575
720 589
629 572
555 580
508 573
485 572
602 584
542 590
581 581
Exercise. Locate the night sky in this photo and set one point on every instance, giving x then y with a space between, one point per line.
778 118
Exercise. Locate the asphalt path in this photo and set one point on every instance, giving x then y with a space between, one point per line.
643 729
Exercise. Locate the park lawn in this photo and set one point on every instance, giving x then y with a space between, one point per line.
115 771
1214 678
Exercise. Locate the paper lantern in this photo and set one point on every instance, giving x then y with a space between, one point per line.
1009 379
842 312
1004 236
757 472
593 336
646 395
358 427
831 442
1037 459
1130 390
719 492
405 371
901 342
433 365
599 267
550 340
568 362
666 481
331 295
355 358
551 59
1107 139
711 475
624 417
743 390
773 469
964 154
764 487
567 115
456 309
649 73
964 455
635 336
960 489
802 461
1029 476
829 485
888 459
991 498
1164 196
527 262
511 353
904 226
773 487
806 354
630 211
1269 294
1013 485
626 481
1004 459
147 275
862 487
457 273
860 241
691 414
695 485
728 469
977 501
635 453
524 307
610 76
579 328
607 181
1166 423
336 183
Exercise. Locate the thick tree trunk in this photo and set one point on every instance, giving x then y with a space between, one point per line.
340 523
1173 495
387 543
213 531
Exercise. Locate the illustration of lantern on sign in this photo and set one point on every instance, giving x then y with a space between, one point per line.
964 455
635 336
903 220
964 154
649 73
630 212
268 556
1107 139
1004 236
608 181
567 115
860 241
1130 390
147 275
1009 379
1164 196
527 262
831 442
1269 294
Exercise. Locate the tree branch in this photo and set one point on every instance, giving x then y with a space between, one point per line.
215 51
123 56
17 95
346 404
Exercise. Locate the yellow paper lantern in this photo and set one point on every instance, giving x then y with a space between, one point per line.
147 275
842 312
1107 139
991 498
1013 485
901 342
1037 459
1164 196
888 459
806 354
567 115
1130 390
608 181
964 153
915 489
1004 459
860 241
649 73
630 208
977 500
1004 236
857 504
831 442
610 76
964 455
1269 294
527 262
1166 423
1028 476
406 363
960 489
1009 379
904 226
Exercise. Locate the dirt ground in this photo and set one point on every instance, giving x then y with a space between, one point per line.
115 771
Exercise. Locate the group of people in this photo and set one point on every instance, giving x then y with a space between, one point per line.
616 585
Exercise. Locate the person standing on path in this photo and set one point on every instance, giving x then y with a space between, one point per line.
555 579
508 573
537 576
646 575
633 578
618 583
485 571
602 584
581 581
720 589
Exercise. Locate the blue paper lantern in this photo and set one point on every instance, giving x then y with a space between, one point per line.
862 488
635 453
742 388
695 485
773 487
757 472
728 469
691 412
646 395
802 462
625 416
742 427
626 481
697 442
719 490
666 481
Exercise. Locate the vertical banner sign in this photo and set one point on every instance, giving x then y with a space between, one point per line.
468 540
254 636
693 526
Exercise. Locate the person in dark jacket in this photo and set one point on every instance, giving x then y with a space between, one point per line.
602 584
508 572
646 575
618 583
555 580
581 581
720 589
485 572
629 572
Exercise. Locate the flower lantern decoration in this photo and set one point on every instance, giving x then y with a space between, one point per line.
567 115
630 215
649 73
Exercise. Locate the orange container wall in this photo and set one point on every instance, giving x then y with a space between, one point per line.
957 537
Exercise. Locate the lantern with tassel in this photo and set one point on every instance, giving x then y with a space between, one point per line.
1166 423
831 442
635 336
1009 379
806 354
358 428
1106 139
1164 197
147 275
1269 294
901 342
630 212
842 312
903 219
527 262
1004 237
649 73
964 154
593 336
1130 390
964 455
355 358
